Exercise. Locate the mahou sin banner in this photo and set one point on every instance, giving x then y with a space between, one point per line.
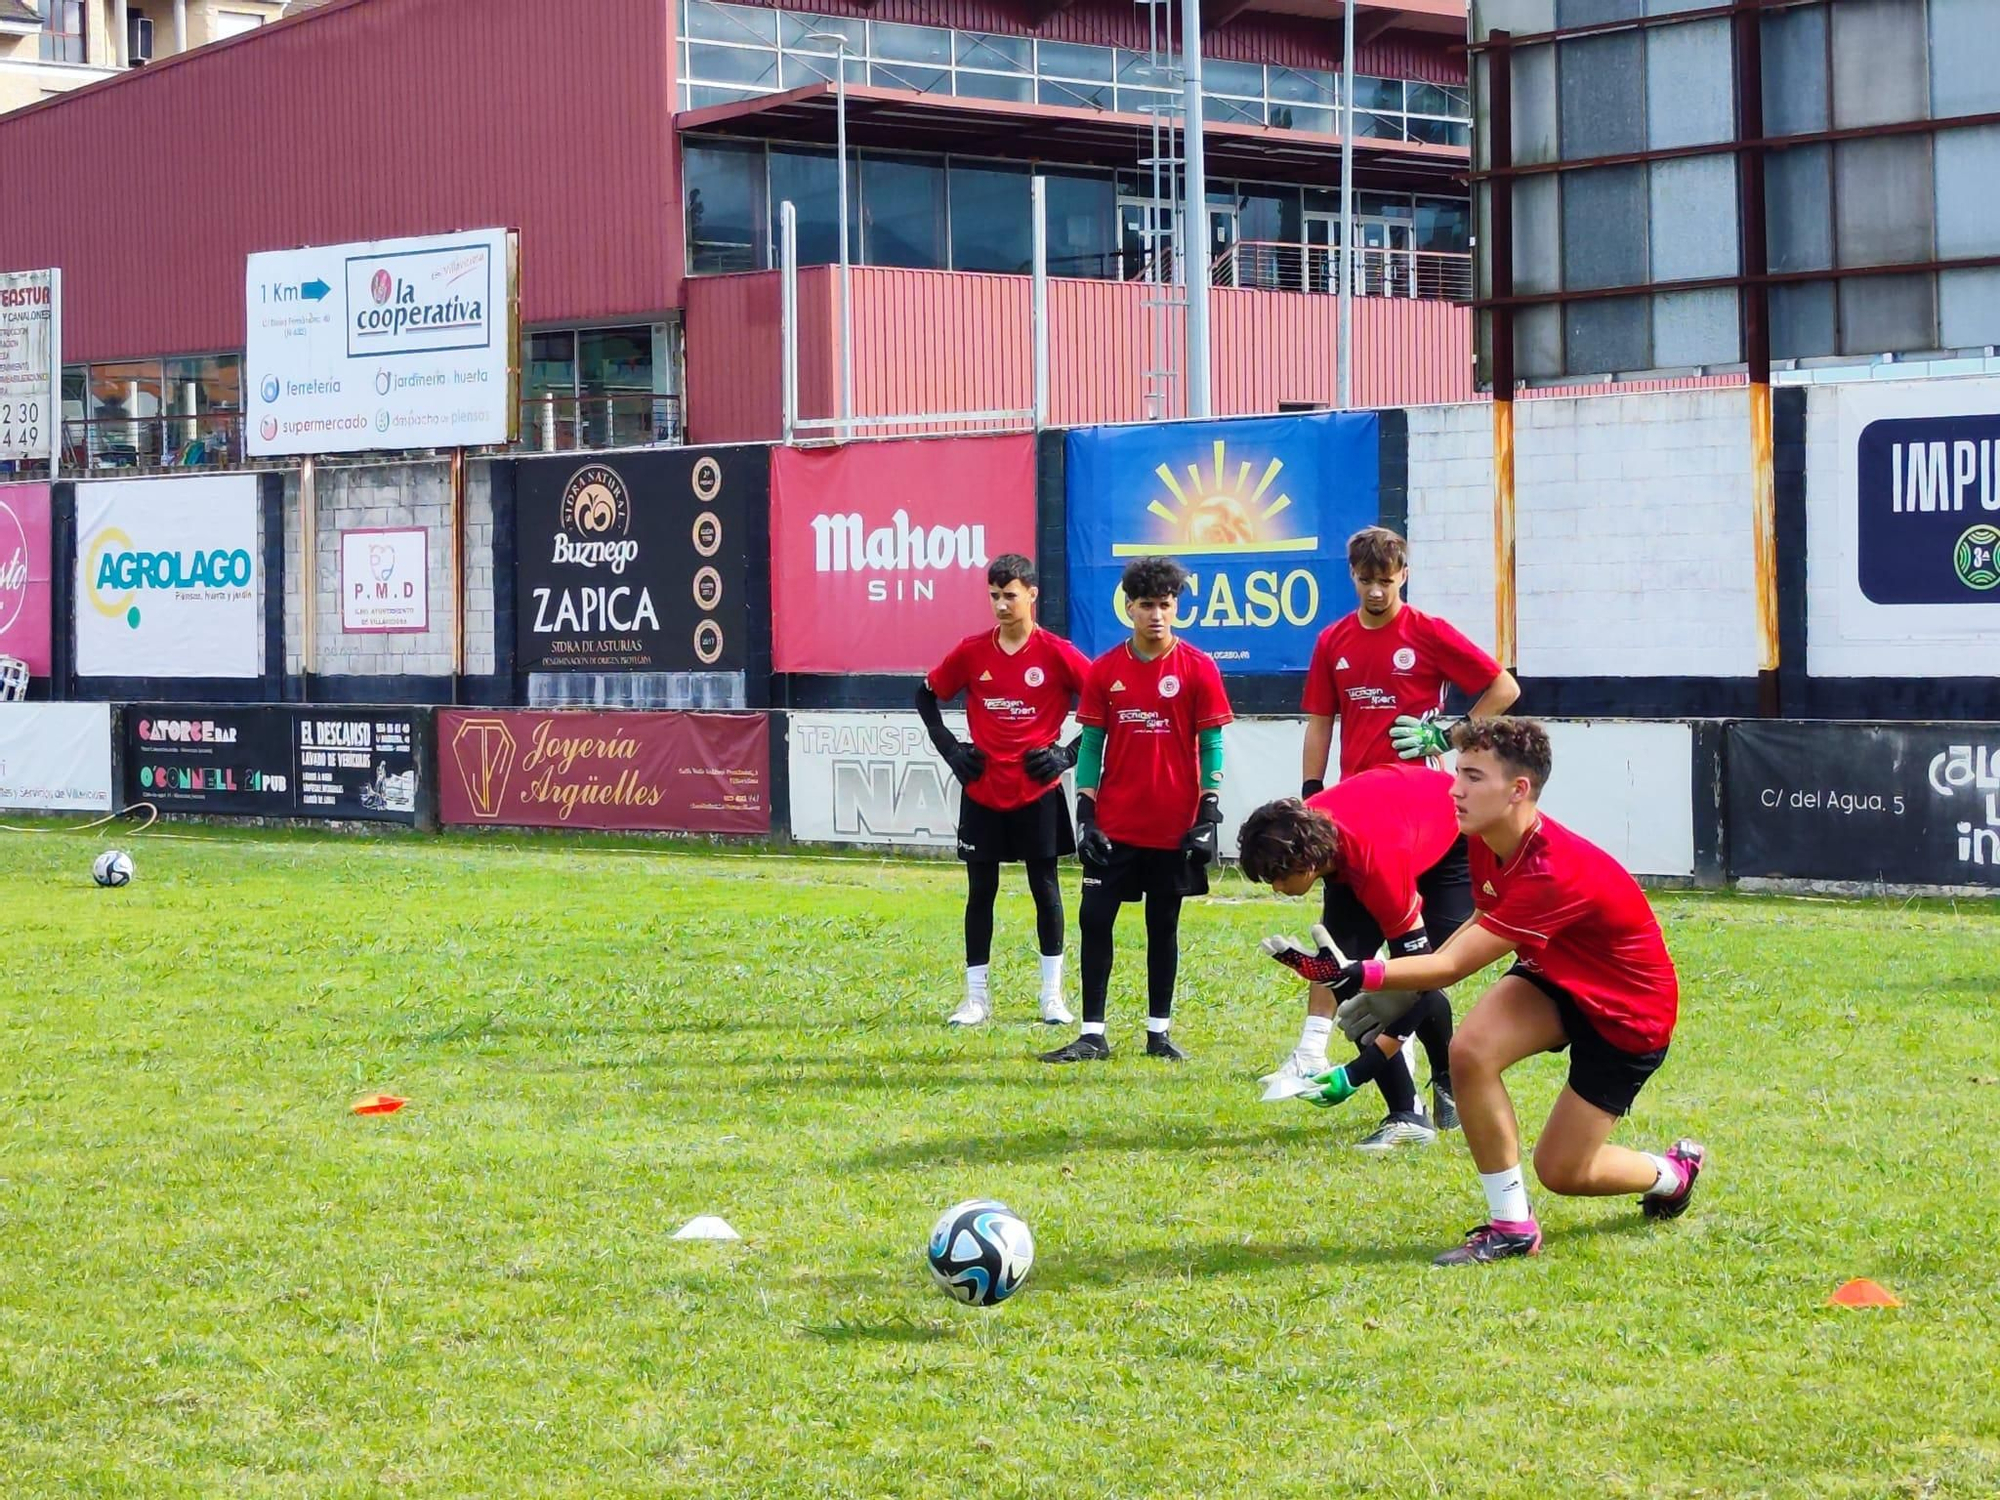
630 772
879 550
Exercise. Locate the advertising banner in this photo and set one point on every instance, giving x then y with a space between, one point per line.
30 352
25 563
273 761
167 578
1906 804
55 757
625 772
637 561
389 344
871 778
1258 510
879 550
385 581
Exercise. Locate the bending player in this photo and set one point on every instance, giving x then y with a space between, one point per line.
1148 788
1018 681
1592 974
1387 846
1381 671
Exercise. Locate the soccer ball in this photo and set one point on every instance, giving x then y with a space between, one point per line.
112 868
980 1252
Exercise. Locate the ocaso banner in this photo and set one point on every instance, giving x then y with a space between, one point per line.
632 772
24 575
879 550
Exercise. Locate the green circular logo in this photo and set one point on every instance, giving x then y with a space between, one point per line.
1975 557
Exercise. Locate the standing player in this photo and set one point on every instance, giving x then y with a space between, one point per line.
1148 789
1018 682
1386 843
1592 975
1383 669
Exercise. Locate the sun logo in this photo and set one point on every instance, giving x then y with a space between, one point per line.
1219 512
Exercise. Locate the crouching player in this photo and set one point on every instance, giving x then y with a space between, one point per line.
1386 843
1591 974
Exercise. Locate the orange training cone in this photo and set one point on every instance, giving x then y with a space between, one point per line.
1861 1292
378 1104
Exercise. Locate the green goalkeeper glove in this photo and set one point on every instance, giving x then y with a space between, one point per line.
1420 739
1334 1089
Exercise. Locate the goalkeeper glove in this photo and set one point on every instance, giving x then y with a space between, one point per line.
1328 965
1420 739
967 762
1093 845
1199 842
1048 762
1362 1016
1311 787
1333 1089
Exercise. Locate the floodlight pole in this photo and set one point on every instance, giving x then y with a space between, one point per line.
1345 354
1194 256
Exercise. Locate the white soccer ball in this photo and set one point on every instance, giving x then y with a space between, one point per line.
112 868
980 1252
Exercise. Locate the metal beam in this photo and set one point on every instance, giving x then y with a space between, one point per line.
1223 13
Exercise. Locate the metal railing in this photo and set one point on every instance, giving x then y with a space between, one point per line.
1278 266
212 440
552 423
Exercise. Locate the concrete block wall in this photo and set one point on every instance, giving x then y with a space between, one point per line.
1451 516
395 495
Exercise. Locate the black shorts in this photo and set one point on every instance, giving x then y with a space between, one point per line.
1446 888
1039 830
1599 1073
1131 873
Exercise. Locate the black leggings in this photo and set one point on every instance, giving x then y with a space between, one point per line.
1433 1030
982 885
1098 918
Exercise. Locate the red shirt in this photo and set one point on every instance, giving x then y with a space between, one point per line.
1395 823
1150 712
1575 916
1367 678
1013 704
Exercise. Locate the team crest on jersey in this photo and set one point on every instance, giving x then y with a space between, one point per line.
1404 658
1170 686
1034 677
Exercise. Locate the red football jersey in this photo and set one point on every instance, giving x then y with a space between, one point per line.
1575 915
1395 823
1013 704
1150 712
1367 678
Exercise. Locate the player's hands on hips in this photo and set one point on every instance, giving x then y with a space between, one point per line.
1048 762
967 762
1333 1089
1419 738
1325 964
1199 842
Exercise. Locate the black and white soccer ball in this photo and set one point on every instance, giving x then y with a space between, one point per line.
112 868
980 1252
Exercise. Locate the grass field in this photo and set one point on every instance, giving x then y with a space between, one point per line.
217 1281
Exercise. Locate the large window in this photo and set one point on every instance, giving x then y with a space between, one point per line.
139 413
725 186
63 38
595 388
903 209
990 228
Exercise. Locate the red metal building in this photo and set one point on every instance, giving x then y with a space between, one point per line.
641 148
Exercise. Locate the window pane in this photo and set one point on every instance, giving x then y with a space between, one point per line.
615 370
701 96
1535 106
124 398
1004 54
1969 308
1439 132
1267 213
902 212
1696 328
551 365
724 188
1882 193
1609 336
1590 12
1232 78
1303 117
1965 58
917 44
795 29
1604 229
1443 226
995 86
1537 235
1301 85
1887 315
1147 101
1879 71
1603 87
707 21
1377 127
737 65
1232 111
991 228
1802 320
907 76
208 382
798 71
1968 167
1538 342
1795 90
1435 99
1693 220
1798 209
1067 60
1690 85
1136 68
1074 95
810 181
1083 217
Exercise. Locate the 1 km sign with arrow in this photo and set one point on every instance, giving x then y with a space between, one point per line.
382 346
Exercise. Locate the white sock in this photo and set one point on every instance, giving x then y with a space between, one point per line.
1313 1037
1668 1182
975 981
1093 1028
1158 1024
1052 976
1506 1195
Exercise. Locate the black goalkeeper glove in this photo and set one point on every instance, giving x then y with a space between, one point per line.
1048 763
967 762
1311 788
1199 842
1093 845
1327 966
